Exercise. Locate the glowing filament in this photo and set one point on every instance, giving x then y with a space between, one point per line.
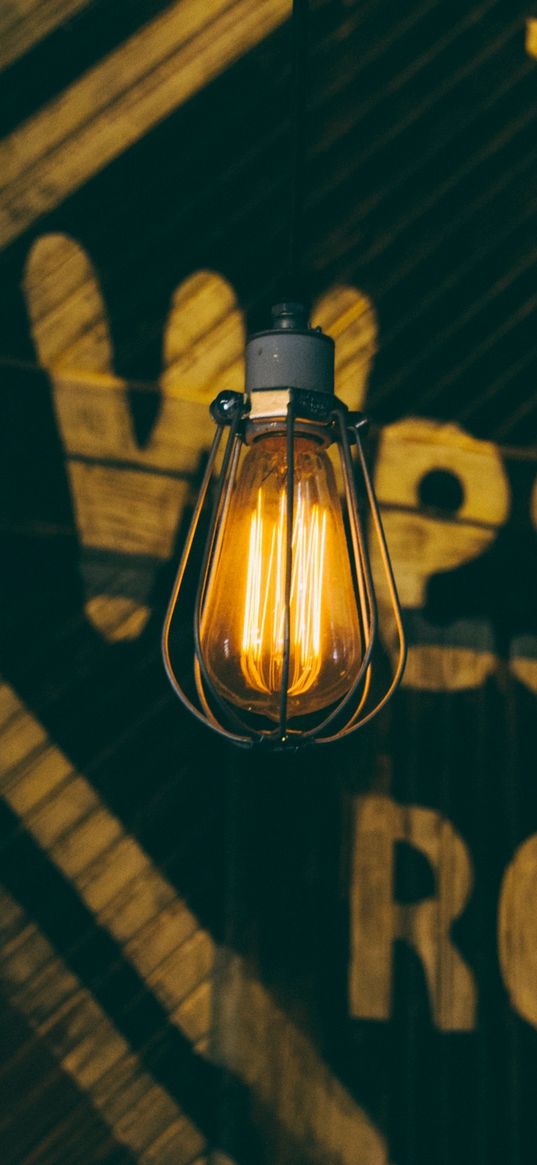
244 617
262 648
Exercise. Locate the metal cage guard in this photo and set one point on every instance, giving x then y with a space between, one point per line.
352 711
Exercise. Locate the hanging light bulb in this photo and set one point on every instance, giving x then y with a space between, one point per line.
242 642
285 618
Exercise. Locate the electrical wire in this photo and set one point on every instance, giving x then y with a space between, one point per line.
296 280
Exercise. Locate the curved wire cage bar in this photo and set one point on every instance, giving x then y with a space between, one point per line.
362 701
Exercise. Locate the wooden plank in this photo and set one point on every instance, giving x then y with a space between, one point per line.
120 99
128 500
23 23
287 1074
139 1112
531 37
176 957
378 920
85 840
425 541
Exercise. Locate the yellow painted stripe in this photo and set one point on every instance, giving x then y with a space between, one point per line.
23 23
239 1024
531 37
115 103
139 1112
111 872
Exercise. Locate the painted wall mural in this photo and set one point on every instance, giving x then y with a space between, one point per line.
208 960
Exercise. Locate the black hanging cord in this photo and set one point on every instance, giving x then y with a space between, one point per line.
298 150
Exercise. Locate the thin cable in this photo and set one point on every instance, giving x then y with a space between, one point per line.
298 148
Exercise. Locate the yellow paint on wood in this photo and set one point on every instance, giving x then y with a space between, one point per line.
89 846
120 99
117 617
239 1026
423 544
203 340
531 37
138 1110
68 317
444 668
377 919
287 1074
108 499
348 316
522 665
128 500
412 448
517 930
23 23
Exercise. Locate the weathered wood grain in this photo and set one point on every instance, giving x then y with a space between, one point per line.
422 179
378 920
517 932
128 499
175 956
531 37
85 841
118 100
23 23
286 1072
424 543
139 1112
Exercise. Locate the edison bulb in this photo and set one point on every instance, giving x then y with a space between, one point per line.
243 616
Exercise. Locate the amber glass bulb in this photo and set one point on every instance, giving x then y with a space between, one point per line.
243 617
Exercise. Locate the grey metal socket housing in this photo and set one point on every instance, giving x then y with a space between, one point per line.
289 357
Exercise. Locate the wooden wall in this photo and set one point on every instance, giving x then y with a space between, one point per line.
204 960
